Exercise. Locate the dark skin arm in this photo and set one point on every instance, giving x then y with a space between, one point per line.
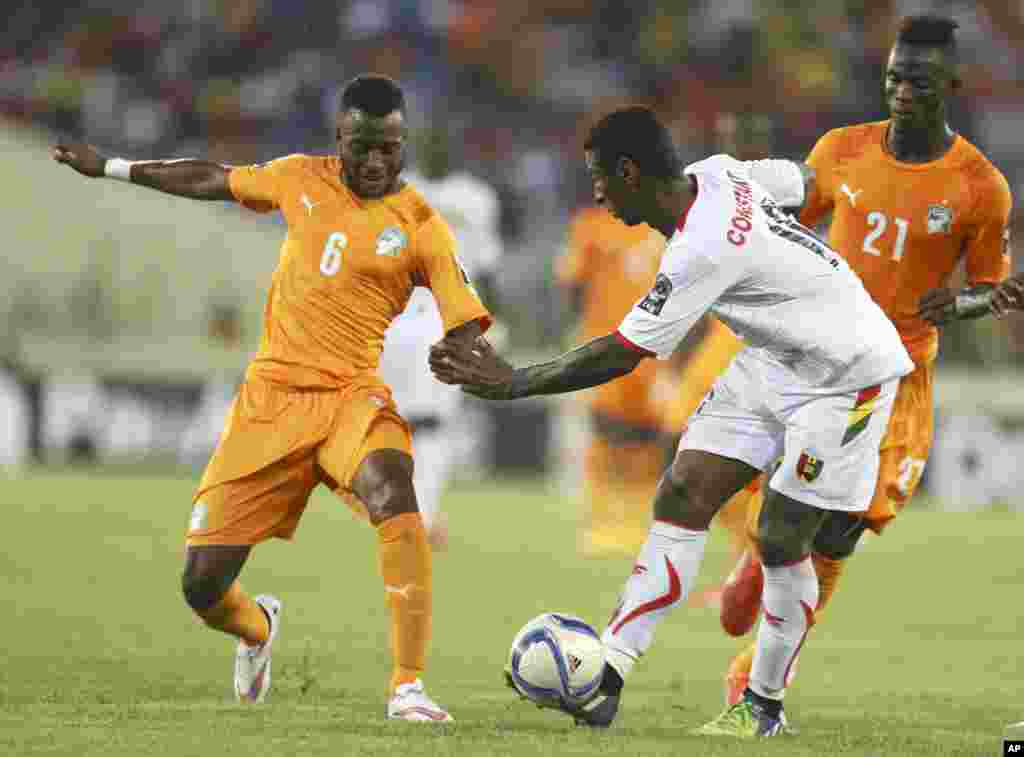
195 179
481 372
937 306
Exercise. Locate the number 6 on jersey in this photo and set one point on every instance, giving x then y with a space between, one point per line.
330 261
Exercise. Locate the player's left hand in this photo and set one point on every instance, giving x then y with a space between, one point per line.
473 365
938 306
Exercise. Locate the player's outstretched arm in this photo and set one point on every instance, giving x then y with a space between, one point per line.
196 179
480 371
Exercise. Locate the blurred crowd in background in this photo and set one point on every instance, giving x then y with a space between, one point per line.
515 86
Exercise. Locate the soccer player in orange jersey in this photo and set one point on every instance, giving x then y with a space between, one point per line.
312 409
909 200
606 268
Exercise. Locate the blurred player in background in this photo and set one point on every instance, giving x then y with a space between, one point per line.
312 409
16 423
223 332
909 200
439 415
607 266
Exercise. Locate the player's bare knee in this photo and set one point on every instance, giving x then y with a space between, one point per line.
384 485
838 536
683 500
203 590
779 549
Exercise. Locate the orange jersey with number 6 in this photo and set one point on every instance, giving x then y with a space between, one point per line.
904 227
347 268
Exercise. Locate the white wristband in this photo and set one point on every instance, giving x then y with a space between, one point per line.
118 168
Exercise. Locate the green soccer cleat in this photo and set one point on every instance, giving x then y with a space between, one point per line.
744 720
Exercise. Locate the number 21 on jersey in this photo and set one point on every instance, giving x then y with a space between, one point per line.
330 261
879 222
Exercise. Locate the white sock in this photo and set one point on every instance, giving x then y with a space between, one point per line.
790 596
662 577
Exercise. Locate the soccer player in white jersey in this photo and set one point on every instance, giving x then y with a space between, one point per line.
443 423
814 386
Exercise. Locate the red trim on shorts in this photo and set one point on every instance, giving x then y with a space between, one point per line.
635 347
673 595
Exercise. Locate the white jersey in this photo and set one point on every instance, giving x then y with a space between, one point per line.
471 208
795 302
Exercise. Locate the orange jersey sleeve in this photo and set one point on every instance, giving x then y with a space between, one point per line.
818 204
904 227
258 187
987 258
440 271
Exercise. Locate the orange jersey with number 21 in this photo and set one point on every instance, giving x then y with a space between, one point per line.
347 268
904 227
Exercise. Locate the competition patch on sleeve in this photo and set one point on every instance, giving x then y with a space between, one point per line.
658 296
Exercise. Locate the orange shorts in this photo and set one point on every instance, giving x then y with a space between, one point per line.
903 454
278 443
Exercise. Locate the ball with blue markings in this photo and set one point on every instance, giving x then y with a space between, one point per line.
556 660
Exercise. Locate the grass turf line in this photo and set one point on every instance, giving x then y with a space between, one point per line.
918 654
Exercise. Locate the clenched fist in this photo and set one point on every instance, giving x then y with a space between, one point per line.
83 158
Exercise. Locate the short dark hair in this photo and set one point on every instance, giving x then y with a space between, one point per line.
374 94
634 133
929 31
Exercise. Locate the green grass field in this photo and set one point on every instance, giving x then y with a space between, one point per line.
919 655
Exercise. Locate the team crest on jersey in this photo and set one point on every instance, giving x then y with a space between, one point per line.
940 219
391 242
808 467
658 296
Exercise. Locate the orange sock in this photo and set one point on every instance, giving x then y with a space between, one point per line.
406 568
828 571
238 614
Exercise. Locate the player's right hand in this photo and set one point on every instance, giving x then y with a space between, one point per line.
476 367
1008 296
83 158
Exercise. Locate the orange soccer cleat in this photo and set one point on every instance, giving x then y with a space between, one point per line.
741 596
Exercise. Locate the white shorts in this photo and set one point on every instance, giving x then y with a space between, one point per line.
828 443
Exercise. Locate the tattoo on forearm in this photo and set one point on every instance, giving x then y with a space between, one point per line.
596 362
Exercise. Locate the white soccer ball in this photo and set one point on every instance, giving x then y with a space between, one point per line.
557 660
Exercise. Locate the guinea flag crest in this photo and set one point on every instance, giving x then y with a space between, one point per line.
863 407
808 467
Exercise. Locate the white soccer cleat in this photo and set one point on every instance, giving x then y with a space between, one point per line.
252 664
410 702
